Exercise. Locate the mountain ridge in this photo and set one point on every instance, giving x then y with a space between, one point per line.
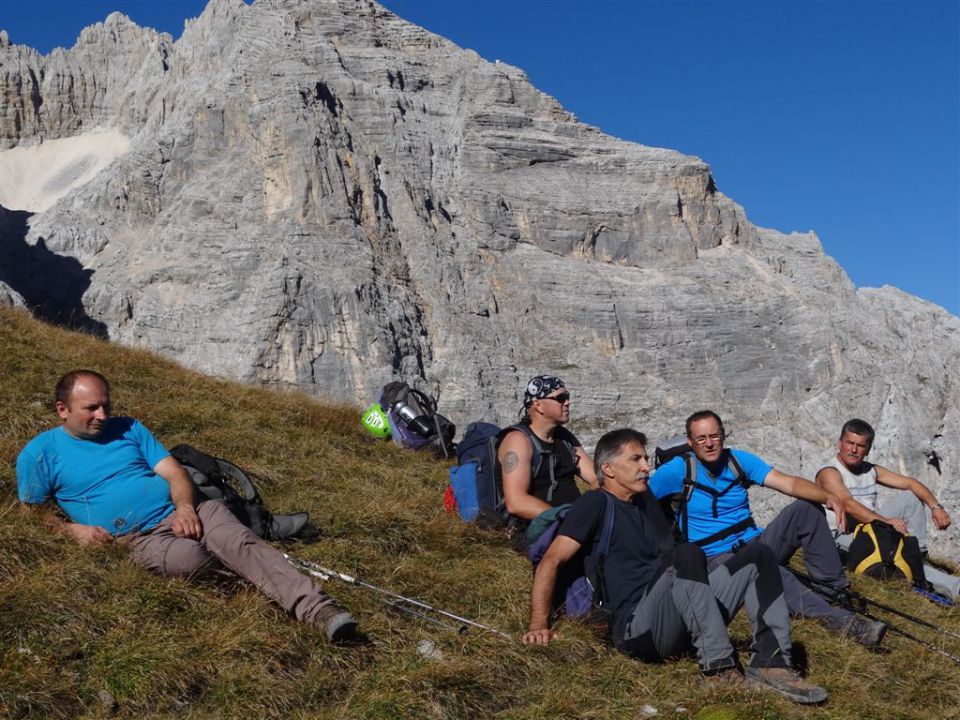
319 195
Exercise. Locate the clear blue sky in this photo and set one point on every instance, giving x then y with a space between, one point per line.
837 117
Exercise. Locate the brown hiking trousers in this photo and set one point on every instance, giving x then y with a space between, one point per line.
226 542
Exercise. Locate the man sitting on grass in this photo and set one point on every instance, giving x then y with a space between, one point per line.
856 482
661 595
713 511
114 481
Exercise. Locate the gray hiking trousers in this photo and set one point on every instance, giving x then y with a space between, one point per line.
803 524
686 605
907 506
228 543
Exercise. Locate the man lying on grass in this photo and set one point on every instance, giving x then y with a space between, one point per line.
662 598
114 481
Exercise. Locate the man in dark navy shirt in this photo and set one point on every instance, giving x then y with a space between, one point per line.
661 596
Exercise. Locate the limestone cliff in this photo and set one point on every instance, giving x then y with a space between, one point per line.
317 194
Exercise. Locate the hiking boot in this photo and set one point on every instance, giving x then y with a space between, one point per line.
338 624
787 682
730 677
868 633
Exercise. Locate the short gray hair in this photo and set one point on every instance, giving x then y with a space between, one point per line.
611 445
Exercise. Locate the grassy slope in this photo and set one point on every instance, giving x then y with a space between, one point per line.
77 624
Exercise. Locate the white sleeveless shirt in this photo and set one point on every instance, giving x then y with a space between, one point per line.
862 486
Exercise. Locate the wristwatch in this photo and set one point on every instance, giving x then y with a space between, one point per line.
938 506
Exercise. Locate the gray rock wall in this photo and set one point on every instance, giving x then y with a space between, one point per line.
321 195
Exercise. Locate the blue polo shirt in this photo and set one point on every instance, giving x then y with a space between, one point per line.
732 507
106 481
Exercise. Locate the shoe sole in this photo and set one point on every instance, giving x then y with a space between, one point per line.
795 697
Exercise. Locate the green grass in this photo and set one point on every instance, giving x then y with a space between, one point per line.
85 633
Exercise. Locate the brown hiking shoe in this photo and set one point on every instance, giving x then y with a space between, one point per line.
338 624
787 682
730 677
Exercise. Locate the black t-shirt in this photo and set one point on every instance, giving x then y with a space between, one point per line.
634 559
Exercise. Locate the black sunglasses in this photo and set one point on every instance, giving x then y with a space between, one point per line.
561 398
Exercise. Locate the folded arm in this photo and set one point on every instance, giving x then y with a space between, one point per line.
87 535
186 523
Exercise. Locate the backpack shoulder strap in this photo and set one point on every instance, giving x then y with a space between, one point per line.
689 480
536 448
426 403
598 555
740 477
247 488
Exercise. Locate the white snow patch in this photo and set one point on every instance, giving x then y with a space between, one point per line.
34 177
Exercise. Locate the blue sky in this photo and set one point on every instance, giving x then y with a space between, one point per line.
837 117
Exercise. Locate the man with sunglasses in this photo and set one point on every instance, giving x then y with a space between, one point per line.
713 511
538 457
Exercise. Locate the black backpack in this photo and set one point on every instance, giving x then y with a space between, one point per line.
218 479
414 420
879 551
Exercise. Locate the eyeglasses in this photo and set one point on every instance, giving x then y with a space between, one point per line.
561 398
704 439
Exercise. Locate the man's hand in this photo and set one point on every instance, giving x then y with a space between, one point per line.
897 524
540 636
87 535
834 503
186 523
941 518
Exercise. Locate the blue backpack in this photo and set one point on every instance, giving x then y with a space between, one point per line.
476 481
474 478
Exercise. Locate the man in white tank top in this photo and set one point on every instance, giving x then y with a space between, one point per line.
855 482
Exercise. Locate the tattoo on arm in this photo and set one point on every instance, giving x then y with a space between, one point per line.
510 461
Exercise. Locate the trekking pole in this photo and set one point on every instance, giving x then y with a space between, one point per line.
928 646
857 602
326 574
934 597
397 605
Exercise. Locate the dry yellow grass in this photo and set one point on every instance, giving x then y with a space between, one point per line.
84 633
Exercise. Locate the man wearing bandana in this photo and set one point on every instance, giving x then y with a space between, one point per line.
538 457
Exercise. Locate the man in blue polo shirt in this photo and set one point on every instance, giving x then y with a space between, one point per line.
716 516
114 481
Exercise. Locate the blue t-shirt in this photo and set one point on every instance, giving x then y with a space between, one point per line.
107 481
732 507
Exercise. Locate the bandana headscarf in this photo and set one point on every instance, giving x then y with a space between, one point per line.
539 387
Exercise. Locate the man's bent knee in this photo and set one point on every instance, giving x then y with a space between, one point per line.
753 553
173 557
690 562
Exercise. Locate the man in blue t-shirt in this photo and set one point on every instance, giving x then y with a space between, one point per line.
660 594
715 514
114 481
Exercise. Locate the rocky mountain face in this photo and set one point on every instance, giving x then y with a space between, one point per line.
316 194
